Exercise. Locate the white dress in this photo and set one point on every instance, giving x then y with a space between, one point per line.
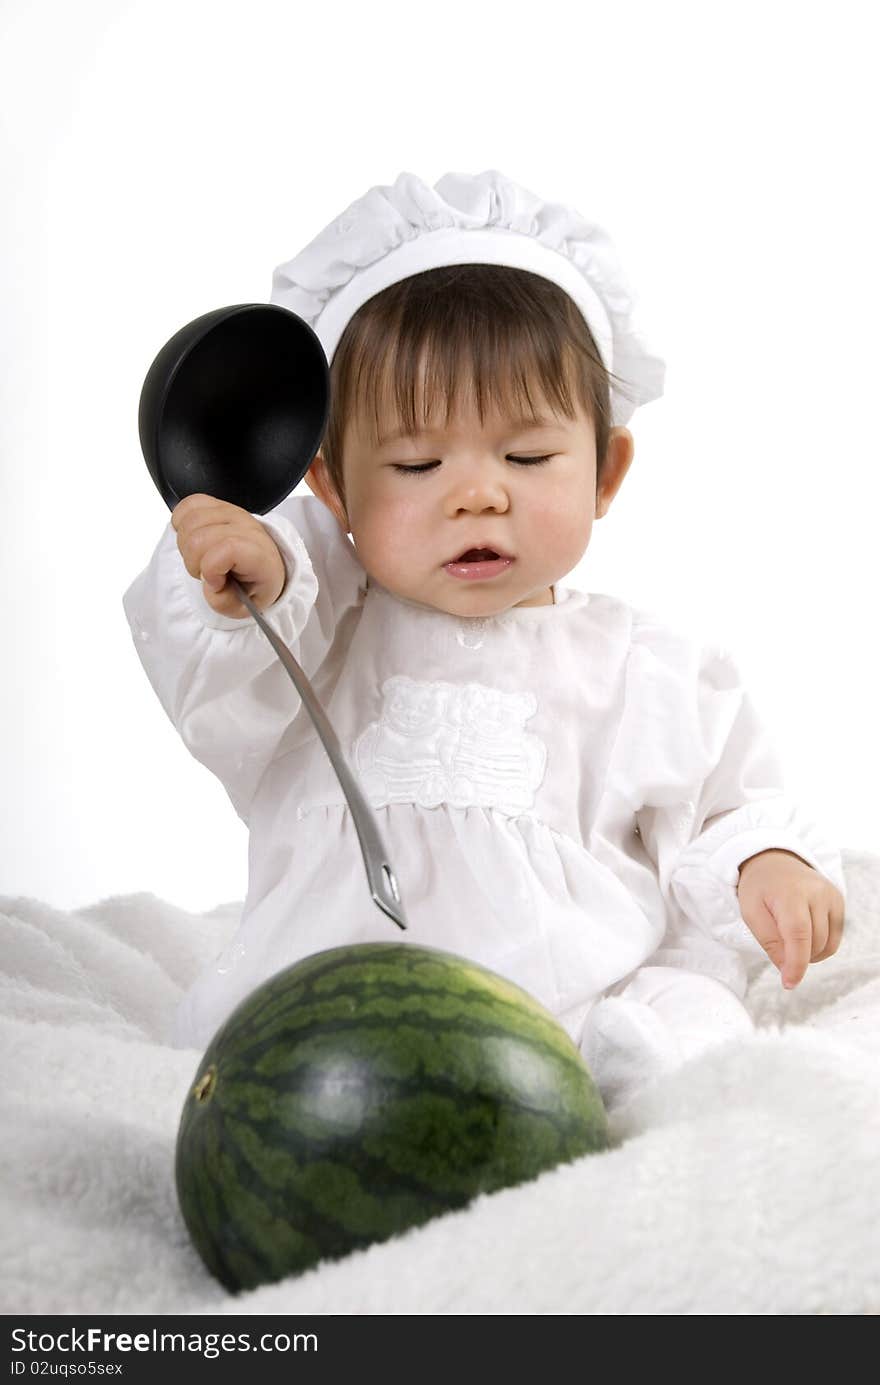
565 792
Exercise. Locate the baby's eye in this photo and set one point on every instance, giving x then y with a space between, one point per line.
420 468
416 470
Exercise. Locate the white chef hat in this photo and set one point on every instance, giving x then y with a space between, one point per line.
394 231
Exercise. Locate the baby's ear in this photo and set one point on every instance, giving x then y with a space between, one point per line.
618 459
320 482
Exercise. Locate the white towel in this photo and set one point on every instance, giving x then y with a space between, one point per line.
746 1182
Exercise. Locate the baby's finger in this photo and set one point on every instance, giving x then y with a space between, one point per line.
195 543
217 560
234 553
217 587
764 926
190 505
198 509
225 600
796 930
836 913
819 915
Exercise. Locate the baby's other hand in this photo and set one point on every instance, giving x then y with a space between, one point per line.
795 913
216 539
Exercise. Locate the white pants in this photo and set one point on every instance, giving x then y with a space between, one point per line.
654 1022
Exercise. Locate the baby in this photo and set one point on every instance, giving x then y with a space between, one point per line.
570 792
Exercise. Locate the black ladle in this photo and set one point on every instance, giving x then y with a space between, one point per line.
235 406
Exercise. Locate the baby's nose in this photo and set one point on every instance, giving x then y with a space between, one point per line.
477 492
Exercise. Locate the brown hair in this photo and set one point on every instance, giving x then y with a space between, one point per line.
508 327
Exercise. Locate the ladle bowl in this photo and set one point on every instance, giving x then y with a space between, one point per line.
235 405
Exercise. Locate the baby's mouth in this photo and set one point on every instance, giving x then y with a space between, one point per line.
477 555
480 554
478 563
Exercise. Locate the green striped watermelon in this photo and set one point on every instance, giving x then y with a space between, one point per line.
363 1091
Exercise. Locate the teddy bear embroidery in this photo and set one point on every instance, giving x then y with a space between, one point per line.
461 744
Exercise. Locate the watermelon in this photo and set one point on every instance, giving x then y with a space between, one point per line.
361 1092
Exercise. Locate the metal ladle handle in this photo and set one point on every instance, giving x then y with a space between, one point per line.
380 877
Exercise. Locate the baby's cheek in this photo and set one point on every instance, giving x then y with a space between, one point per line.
564 526
388 539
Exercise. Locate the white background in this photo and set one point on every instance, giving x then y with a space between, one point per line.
162 156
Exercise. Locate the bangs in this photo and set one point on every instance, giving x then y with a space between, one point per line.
441 365
462 337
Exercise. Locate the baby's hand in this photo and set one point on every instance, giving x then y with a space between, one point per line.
795 913
216 538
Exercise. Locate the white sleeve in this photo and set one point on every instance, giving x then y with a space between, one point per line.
218 679
734 806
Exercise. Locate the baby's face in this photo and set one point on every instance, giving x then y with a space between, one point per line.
416 505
